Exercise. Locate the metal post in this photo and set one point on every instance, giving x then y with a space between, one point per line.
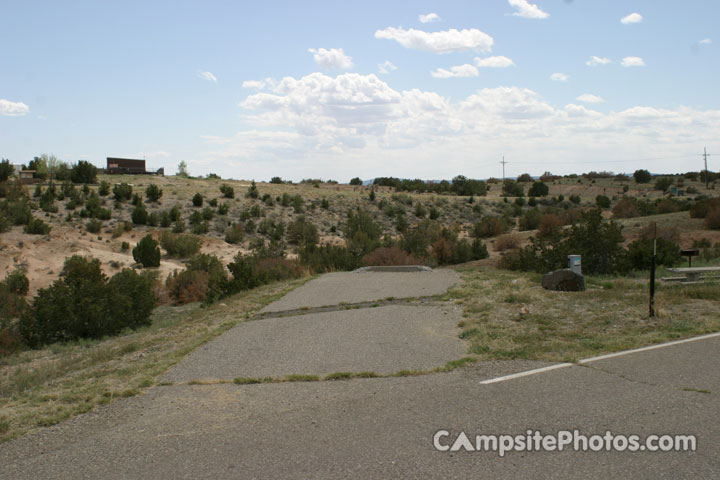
652 275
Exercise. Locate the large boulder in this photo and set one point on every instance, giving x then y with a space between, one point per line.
564 280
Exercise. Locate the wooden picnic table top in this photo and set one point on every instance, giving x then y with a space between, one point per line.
694 269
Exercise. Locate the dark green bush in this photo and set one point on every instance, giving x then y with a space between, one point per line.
227 191
153 193
37 227
530 219
139 214
538 189
361 232
122 192
83 172
104 189
640 253
329 258
83 304
178 245
302 232
94 226
602 201
197 200
642 176
147 252
253 191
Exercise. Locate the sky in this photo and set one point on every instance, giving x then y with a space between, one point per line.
339 89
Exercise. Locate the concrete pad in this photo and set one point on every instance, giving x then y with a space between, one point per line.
381 340
365 286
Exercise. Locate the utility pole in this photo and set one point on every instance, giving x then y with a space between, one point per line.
705 155
504 162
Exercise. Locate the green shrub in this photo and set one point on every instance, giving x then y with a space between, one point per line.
223 209
94 226
640 253
602 201
217 281
178 245
200 228
124 246
530 220
178 226
302 232
197 200
104 189
147 252
139 214
361 232
599 243
329 258
297 204
122 192
37 227
234 234
83 304
575 199
84 172
538 189
153 193
227 191
663 183
513 189
207 213
418 239
252 191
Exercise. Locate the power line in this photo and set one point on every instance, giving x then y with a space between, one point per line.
503 164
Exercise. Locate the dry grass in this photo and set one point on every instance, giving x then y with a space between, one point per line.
43 387
508 315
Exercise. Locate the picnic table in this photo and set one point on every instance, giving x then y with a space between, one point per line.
691 274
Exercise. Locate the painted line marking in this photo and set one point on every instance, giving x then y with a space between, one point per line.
595 359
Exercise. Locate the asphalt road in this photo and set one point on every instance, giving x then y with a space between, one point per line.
383 428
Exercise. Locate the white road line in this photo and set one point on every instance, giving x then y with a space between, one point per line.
526 373
651 347
595 359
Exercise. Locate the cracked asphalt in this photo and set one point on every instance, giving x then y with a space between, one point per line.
384 427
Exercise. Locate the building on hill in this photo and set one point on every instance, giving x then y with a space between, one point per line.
125 165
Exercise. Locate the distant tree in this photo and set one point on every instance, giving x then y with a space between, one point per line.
182 169
63 172
6 170
602 201
663 183
525 178
642 176
84 172
539 189
356 181
302 232
122 192
51 163
512 189
40 166
276 180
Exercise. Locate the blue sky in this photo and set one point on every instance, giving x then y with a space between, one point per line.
333 90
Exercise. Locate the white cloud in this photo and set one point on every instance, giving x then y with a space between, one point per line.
632 18
13 109
526 9
595 61
207 76
446 41
632 62
590 98
494 62
458 71
357 125
429 17
559 77
256 84
386 67
705 41
331 59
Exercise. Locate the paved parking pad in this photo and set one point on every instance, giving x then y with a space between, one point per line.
380 340
365 286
